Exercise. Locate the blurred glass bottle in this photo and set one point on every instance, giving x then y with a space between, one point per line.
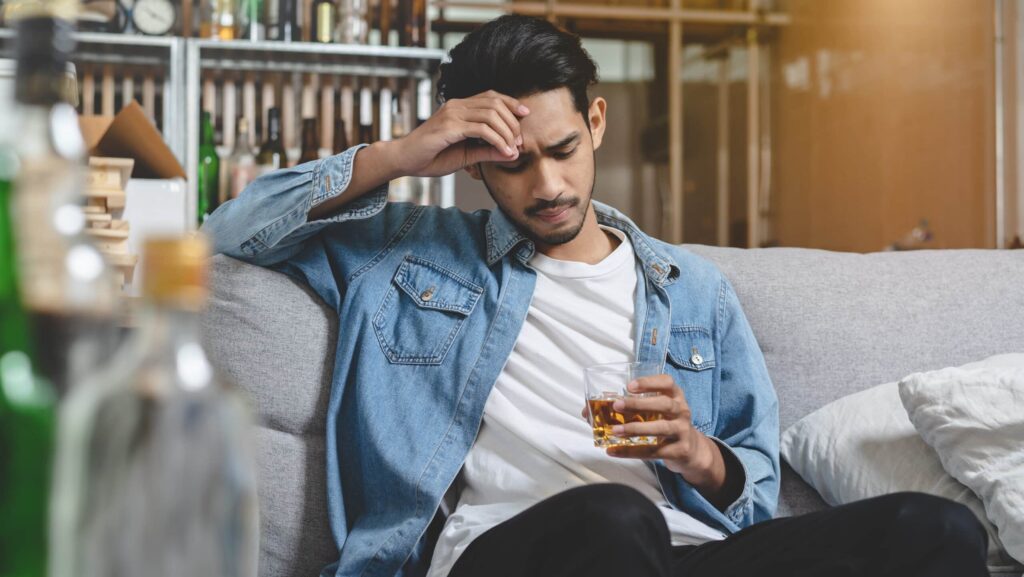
366 135
324 18
241 164
66 285
27 403
272 154
310 141
353 21
281 22
217 19
413 18
249 20
154 473
209 171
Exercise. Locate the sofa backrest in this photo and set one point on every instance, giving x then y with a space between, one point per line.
829 324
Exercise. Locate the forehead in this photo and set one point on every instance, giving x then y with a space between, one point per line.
552 116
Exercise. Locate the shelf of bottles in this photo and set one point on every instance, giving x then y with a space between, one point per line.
114 69
274 104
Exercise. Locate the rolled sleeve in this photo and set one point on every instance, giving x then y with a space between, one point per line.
269 221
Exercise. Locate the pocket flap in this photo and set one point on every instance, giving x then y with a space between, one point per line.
434 287
691 348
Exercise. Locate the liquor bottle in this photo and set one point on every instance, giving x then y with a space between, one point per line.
366 135
27 406
288 26
414 19
65 283
272 18
272 155
217 19
310 142
324 17
241 163
209 171
340 136
249 20
385 22
353 21
154 473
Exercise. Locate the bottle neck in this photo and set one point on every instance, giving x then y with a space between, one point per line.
207 131
273 128
171 334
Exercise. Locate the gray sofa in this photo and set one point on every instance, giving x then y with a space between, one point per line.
829 324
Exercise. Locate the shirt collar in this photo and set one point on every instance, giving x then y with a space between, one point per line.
503 236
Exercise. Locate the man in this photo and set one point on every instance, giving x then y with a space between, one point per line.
459 365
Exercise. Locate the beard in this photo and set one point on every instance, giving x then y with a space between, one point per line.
530 225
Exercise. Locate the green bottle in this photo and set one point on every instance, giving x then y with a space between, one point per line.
209 171
27 414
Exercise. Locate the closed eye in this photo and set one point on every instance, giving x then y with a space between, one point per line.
565 155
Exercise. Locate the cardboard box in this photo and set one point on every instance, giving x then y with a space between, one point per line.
130 134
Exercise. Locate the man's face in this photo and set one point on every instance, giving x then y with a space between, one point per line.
546 191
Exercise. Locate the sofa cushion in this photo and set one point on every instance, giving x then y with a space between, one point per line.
275 340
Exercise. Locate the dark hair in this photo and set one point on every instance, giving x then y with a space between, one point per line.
518 56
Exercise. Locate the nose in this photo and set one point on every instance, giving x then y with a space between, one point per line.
547 184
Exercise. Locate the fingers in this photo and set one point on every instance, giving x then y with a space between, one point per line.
498 123
637 451
670 407
499 112
662 428
663 384
488 134
504 112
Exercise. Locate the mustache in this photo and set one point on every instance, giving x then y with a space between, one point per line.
551 204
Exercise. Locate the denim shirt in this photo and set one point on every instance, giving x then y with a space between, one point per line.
430 304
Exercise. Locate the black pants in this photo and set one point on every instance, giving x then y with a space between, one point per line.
613 530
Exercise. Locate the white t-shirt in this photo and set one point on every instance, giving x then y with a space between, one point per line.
533 443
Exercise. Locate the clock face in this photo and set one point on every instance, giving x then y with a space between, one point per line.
153 17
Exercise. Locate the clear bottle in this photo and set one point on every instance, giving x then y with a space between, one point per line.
353 21
66 285
217 19
241 164
155 473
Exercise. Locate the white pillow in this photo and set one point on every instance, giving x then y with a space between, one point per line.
974 419
863 446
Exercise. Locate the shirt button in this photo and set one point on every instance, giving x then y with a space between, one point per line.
697 359
427 294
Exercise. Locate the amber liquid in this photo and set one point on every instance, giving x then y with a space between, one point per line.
604 417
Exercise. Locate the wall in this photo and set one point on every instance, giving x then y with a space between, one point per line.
884 115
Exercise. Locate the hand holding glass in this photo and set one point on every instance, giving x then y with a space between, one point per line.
605 384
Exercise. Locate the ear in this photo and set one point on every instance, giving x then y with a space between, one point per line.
474 171
597 123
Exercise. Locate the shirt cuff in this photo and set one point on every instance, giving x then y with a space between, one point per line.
687 498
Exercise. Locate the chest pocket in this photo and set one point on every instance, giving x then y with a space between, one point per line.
422 312
691 357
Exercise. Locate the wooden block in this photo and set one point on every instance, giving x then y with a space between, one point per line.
98 220
109 172
109 241
112 199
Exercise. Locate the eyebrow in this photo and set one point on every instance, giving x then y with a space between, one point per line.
572 138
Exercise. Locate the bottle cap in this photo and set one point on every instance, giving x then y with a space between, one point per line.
174 271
